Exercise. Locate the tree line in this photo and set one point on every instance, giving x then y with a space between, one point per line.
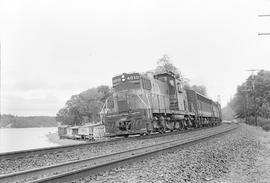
84 107
252 99
13 121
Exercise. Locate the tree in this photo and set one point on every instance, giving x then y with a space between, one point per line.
65 117
253 97
239 103
87 104
164 64
200 89
105 92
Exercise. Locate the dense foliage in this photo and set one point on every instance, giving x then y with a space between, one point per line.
164 64
253 97
84 107
198 88
11 121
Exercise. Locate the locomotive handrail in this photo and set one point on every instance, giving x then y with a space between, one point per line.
105 105
148 103
144 104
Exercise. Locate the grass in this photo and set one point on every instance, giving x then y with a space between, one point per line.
262 122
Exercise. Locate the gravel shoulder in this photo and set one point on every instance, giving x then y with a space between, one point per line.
83 152
54 138
242 155
252 164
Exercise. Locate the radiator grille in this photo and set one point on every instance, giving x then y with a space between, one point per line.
123 106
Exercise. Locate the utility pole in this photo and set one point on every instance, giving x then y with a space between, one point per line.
246 104
253 92
0 81
245 109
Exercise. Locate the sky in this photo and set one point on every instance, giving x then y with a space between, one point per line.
52 49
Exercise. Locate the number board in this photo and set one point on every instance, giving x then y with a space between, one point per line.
125 78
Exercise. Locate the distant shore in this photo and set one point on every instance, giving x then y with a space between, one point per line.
29 127
11 121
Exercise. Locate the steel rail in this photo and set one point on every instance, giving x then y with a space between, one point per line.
29 154
73 170
33 152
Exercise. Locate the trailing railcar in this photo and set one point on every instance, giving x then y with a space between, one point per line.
207 112
217 112
145 103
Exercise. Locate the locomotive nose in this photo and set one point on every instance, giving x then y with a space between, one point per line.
123 78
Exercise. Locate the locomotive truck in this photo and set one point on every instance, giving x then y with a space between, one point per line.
146 103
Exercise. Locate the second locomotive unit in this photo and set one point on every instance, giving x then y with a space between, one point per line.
145 103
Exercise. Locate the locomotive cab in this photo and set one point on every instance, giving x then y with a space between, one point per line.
130 107
175 91
129 91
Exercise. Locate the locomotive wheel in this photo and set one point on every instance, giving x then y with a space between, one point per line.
163 124
184 125
161 130
155 125
177 125
169 125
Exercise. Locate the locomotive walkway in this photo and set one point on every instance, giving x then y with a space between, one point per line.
73 170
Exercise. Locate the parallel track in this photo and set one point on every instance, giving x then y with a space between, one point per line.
33 152
76 169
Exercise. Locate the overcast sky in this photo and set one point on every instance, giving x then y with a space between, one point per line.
53 49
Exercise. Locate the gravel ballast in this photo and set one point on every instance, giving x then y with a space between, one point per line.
242 155
93 150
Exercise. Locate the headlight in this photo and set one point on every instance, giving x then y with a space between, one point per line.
123 78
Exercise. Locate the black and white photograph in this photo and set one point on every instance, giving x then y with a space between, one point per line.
134 91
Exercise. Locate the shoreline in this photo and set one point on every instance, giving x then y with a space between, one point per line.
54 138
28 127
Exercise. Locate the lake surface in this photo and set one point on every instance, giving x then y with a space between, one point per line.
15 139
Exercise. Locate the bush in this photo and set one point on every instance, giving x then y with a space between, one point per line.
266 127
262 122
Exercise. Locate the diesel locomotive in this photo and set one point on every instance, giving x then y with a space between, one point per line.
146 103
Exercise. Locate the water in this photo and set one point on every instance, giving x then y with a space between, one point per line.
15 139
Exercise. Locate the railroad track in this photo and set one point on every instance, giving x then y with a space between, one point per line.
76 169
36 158
33 152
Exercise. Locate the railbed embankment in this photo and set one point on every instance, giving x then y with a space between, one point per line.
37 160
243 155
54 138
